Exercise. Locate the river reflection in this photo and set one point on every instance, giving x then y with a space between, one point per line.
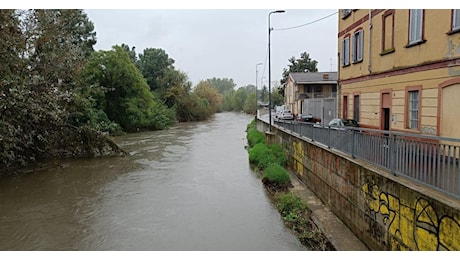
186 188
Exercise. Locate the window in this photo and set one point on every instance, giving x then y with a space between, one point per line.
413 109
456 19
346 51
345 107
388 32
415 26
357 48
345 13
356 108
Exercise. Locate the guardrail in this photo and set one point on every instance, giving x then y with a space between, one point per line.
430 160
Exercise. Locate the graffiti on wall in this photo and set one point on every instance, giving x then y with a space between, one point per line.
298 155
407 225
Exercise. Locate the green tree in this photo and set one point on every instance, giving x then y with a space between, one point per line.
302 64
277 98
154 64
222 85
210 98
127 100
238 99
131 52
42 53
227 101
249 106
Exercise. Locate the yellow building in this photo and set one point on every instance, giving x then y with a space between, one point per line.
399 69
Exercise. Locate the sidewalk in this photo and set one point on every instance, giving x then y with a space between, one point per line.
337 233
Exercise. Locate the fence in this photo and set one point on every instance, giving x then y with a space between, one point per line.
430 160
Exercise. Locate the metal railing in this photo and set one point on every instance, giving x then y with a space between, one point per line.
430 160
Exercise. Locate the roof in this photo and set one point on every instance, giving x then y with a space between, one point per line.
314 77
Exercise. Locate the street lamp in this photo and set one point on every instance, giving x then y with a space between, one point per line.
256 83
269 72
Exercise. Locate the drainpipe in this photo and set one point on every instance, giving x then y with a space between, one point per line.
339 89
369 67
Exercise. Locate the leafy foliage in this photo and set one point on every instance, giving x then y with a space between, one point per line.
278 153
43 52
255 137
154 64
127 99
297 216
289 203
302 64
276 173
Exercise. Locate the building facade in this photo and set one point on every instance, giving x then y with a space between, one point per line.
399 69
312 93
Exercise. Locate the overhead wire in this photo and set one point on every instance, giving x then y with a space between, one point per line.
302 25
290 28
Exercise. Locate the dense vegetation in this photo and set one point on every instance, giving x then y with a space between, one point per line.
61 98
270 161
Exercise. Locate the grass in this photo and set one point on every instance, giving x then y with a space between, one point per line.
277 173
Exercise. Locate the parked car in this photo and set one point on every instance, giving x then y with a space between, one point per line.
286 115
342 123
308 118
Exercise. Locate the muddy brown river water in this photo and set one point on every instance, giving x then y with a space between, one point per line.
186 188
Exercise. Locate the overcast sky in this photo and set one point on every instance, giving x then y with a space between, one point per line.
223 43
223 39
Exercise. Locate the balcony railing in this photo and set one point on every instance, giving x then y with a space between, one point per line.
316 95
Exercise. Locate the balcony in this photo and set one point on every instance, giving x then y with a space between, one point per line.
316 95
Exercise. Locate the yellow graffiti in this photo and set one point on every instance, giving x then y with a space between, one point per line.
417 228
298 156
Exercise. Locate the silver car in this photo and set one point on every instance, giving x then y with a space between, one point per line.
286 115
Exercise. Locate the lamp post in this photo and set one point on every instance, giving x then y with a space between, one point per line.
269 72
256 83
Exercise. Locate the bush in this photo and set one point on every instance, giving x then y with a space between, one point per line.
276 173
255 137
261 156
277 151
290 204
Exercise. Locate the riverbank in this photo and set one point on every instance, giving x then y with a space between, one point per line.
337 233
314 224
269 162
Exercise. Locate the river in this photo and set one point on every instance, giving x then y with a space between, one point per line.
186 188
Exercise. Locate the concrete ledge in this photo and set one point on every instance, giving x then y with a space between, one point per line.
335 230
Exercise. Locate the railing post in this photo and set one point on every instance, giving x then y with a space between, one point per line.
352 150
393 154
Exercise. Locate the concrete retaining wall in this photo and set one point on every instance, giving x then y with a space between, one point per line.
386 212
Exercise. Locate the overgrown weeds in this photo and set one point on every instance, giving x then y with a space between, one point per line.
269 160
297 216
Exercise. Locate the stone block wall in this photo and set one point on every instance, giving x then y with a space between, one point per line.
386 212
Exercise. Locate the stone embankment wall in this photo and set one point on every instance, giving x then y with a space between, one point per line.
386 212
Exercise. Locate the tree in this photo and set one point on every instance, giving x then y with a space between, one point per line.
154 64
238 99
131 52
210 98
223 86
42 53
127 100
303 64
249 106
